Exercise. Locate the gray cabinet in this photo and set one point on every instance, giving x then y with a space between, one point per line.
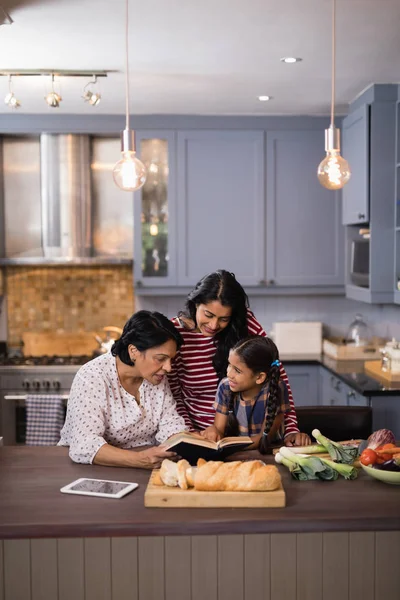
304 234
334 392
304 383
355 146
220 205
155 234
369 135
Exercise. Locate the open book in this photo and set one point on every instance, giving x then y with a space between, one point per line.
192 447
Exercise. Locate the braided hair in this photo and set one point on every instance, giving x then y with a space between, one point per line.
145 330
261 355
222 286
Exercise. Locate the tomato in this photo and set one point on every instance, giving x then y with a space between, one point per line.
368 457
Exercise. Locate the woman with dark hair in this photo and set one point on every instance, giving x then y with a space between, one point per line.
252 400
121 400
216 317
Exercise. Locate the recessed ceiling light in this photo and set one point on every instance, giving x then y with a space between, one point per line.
264 98
290 59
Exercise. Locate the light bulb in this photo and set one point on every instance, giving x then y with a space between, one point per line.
333 171
153 229
129 173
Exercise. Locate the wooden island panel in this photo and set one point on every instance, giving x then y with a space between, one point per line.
303 566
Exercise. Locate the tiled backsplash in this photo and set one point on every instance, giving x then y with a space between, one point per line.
72 299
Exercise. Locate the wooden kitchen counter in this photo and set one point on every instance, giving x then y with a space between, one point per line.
31 504
334 540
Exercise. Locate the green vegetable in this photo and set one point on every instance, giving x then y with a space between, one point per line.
313 449
311 466
294 469
347 471
338 452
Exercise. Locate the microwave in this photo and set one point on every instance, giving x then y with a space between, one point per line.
359 263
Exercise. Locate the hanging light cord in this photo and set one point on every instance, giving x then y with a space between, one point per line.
333 59
127 65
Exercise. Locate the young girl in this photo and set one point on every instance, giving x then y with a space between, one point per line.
253 399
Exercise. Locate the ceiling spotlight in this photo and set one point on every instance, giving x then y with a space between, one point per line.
53 99
264 98
10 99
89 96
290 60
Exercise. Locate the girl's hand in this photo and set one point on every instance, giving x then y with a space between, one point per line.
211 433
297 439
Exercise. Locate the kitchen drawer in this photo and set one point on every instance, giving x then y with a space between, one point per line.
334 392
304 384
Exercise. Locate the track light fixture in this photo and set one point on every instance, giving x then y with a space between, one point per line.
10 99
89 96
53 99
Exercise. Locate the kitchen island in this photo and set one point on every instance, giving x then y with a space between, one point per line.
333 540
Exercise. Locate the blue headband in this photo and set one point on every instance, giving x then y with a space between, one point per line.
276 363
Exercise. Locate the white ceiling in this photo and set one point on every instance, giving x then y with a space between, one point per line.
201 57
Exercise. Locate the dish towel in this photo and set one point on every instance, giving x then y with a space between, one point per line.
44 419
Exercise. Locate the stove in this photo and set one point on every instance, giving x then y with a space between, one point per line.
43 361
23 375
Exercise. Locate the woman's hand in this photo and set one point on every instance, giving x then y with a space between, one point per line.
297 439
211 433
152 457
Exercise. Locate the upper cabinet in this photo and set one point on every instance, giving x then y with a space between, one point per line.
155 234
397 207
248 201
355 142
304 234
369 135
220 205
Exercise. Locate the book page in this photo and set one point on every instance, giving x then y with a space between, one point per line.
228 441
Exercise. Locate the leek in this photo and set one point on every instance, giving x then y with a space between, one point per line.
312 449
338 452
294 469
310 465
347 471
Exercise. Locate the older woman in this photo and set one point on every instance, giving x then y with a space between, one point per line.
122 401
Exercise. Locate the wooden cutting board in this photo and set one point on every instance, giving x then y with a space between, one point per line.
175 497
374 368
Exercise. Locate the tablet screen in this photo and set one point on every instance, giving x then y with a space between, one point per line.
99 486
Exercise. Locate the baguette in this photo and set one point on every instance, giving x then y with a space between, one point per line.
237 476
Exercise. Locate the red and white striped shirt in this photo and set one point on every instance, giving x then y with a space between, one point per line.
194 382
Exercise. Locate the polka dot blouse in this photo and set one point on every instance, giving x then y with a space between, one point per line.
100 411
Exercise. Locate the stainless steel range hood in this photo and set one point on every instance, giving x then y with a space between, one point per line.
65 206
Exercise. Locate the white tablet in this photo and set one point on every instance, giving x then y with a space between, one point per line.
99 487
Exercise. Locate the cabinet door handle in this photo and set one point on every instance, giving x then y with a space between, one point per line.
139 284
338 386
262 282
271 282
361 216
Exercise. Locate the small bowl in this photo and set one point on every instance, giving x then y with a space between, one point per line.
392 477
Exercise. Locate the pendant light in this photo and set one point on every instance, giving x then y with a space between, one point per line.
129 173
333 171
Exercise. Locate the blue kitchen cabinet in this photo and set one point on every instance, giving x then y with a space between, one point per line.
304 383
221 205
334 392
304 234
155 230
355 149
